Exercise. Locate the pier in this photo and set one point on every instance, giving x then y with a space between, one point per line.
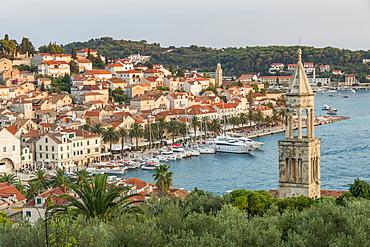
279 129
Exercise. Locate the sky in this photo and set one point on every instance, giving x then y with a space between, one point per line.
210 23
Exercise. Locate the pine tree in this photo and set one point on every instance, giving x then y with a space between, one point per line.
73 53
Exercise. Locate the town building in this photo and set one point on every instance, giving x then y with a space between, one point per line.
68 148
10 152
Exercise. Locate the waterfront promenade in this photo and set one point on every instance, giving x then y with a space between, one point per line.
251 134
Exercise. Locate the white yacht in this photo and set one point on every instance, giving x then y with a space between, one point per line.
207 150
247 141
228 145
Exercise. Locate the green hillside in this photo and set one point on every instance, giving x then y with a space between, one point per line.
235 61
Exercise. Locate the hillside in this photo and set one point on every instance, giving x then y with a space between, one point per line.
235 61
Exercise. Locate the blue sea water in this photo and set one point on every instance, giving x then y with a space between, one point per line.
345 154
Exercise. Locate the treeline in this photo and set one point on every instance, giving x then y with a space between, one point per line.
9 47
235 61
241 218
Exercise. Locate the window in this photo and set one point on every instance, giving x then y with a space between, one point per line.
96 149
13 148
29 157
88 143
22 158
81 144
61 149
46 148
74 153
96 141
28 213
67 155
47 156
88 151
61 156
40 147
67 147
52 148
25 150
53 156
38 201
78 144
74 144
40 156
46 140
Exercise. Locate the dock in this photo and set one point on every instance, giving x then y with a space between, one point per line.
279 129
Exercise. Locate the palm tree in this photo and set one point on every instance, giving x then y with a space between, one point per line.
122 133
173 128
151 133
82 176
259 117
275 117
234 121
40 176
243 119
250 116
215 126
162 125
34 188
183 130
110 135
195 123
282 114
10 178
59 179
95 200
86 127
163 179
136 131
97 129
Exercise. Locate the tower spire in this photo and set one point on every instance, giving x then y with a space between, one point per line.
299 154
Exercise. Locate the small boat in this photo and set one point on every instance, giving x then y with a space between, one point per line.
345 96
333 109
325 108
149 166
195 152
353 91
177 149
332 91
330 112
207 150
331 95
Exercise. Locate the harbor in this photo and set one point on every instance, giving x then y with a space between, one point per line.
341 143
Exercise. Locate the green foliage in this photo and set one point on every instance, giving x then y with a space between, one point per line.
163 88
51 48
96 201
163 179
253 202
360 189
24 67
119 96
4 219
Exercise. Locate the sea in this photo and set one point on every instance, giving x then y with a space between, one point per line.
345 154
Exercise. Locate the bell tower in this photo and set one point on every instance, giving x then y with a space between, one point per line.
218 81
299 152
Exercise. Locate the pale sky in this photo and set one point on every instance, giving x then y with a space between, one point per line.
210 23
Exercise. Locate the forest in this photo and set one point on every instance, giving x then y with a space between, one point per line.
239 218
235 61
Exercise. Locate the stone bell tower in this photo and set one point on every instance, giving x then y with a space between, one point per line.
218 81
299 153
